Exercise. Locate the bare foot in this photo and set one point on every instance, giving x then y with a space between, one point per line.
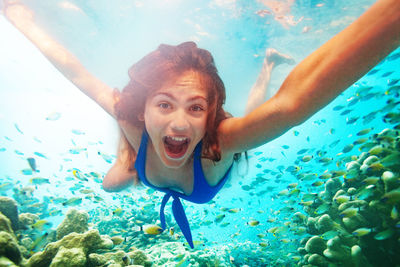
273 56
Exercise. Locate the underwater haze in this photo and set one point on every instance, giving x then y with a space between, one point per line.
326 192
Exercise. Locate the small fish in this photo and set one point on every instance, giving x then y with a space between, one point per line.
18 129
77 132
325 160
73 201
171 231
284 192
391 160
334 143
224 224
360 141
342 199
370 180
39 180
325 176
364 131
306 203
345 112
361 232
306 158
118 211
53 116
339 107
5 186
350 212
384 234
27 172
41 224
388 73
273 230
348 148
394 214
219 218
263 244
151 229
391 197
39 242
317 183
330 234
392 82
309 197
32 163
117 240
372 72
323 208
234 210
253 223
352 120
394 56
40 155
78 175
18 152
55 212
302 151
77 150
106 157
246 187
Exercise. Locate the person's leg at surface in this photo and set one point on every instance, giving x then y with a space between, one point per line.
258 92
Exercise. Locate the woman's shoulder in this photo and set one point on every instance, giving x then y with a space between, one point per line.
132 133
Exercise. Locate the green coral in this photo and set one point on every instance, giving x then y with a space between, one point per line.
88 242
67 257
9 247
75 221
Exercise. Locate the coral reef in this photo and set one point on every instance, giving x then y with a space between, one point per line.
75 221
8 207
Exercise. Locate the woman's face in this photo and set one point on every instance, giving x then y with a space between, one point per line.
175 117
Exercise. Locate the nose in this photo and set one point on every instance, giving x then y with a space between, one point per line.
179 121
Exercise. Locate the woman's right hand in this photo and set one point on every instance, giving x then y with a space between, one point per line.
15 11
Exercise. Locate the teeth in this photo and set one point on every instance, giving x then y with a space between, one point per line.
178 139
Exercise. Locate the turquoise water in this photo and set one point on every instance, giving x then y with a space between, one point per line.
45 117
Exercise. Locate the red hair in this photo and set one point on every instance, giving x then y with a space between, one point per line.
165 65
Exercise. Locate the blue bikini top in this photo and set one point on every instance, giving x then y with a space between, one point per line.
202 191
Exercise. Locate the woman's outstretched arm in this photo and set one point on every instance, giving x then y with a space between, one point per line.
318 79
22 18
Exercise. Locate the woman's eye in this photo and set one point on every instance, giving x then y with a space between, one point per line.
163 105
197 108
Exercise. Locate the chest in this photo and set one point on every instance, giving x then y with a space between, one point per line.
182 179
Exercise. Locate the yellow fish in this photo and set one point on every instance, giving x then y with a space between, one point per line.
41 224
350 212
151 229
253 223
361 232
118 211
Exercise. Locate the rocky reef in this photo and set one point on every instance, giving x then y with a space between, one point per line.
355 220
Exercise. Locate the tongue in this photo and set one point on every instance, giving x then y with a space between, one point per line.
175 149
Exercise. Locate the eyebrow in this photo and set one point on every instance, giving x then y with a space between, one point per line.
173 98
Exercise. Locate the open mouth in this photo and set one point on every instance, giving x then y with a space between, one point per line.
175 146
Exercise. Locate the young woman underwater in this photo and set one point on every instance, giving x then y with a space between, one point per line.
175 135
